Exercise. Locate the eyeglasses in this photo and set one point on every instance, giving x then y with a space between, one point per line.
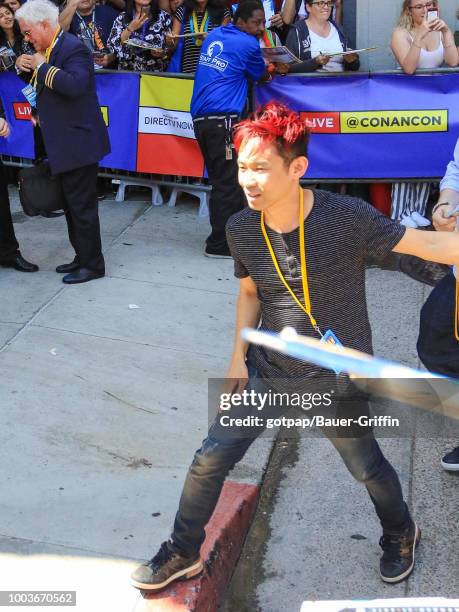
324 3
419 7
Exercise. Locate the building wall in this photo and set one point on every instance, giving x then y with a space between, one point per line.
369 23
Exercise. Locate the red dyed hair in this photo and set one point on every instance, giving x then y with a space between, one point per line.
275 123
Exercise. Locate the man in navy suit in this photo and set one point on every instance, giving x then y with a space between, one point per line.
74 133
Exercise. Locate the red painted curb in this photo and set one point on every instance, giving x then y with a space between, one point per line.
225 535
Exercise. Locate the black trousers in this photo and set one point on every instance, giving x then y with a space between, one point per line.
8 244
437 346
80 190
227 196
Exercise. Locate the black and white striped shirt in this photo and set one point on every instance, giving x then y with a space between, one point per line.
340 234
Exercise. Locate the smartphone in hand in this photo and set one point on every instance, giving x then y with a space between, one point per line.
432 15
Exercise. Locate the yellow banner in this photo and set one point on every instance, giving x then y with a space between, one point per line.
163 92
390 122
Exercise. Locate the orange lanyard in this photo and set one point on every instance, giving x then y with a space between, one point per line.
33 80
306 307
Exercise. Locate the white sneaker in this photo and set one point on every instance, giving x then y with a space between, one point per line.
408 222
419 219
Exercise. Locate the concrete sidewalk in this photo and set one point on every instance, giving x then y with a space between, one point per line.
104 398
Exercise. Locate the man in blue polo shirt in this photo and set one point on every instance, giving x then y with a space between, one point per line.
230 57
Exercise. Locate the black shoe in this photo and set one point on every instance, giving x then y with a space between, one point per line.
18 263
451 460
82 275
165 567
397 561
218 254
66 268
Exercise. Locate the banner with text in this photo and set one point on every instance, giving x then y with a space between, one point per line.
166 142
119 101
379 126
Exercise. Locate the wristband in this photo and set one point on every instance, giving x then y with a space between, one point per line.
128 29
438 205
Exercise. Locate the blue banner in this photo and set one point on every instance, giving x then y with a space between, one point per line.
119 100
17 112
382 126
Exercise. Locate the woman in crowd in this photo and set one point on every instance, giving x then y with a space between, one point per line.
194 16
142 22
292 10
13 4
12 44
314 39
419 43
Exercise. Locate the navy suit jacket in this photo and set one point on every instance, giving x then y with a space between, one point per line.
74 132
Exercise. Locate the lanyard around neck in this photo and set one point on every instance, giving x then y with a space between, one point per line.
90 34
33 80
268 39
196 29
51 46
306 307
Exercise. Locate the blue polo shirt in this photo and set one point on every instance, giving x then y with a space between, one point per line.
229 58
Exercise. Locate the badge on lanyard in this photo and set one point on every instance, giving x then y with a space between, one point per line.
330 338
30 94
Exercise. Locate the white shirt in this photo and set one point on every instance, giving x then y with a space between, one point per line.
431 59
325 46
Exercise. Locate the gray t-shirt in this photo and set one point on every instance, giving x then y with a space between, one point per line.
341 233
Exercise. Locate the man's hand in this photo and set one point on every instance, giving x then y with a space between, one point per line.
24 63
105 61
36 60
440 220
236 377
4 128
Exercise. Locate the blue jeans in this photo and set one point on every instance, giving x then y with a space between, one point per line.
219 454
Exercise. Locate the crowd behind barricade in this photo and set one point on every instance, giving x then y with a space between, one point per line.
167 35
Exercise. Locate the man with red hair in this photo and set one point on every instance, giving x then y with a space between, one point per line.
300 257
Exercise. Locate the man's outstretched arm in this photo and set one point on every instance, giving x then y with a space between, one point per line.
441 247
